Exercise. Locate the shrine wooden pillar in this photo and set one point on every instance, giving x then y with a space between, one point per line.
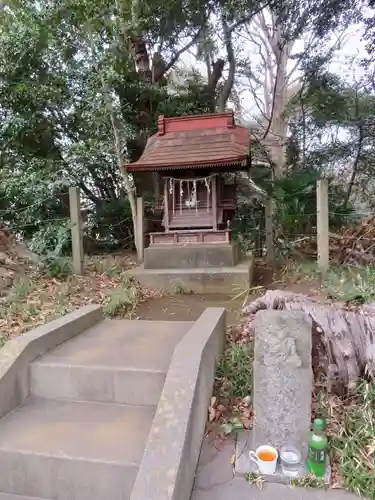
166 206
214 203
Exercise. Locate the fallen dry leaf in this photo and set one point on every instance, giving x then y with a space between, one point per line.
247 423
211 415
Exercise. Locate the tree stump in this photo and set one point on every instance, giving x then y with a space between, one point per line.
343 340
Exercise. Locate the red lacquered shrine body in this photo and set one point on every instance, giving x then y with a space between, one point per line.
191 156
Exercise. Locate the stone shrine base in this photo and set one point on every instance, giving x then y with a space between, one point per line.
211 280
189 256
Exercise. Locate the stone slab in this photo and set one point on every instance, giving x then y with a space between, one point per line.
72 450
215 463
239 489
116 361
5 496
16 355
225 280
172 450
283 379
191 256
120 343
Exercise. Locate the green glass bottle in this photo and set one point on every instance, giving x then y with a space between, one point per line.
318 443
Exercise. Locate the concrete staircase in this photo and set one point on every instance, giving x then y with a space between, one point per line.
82 432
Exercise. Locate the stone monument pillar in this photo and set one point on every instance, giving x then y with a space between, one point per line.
282 386
283 378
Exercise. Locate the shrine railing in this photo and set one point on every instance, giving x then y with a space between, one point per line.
191 236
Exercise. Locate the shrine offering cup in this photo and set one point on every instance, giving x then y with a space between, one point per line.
266 459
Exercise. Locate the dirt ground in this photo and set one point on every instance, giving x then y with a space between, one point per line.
188 307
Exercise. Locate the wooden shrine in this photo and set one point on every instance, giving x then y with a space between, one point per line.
192 158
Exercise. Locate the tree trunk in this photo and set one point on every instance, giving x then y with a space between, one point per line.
343 340
278 127
358 154
213 80
228 85
274 50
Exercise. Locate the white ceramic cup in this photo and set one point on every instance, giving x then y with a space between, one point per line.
265 466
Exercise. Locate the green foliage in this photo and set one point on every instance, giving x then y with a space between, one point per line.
55 127
123 299
109 267
109 225
296 202
335 133
234 371
341 283
58 267
181 290
233 425
353 443
14 303
59 63
21 288
255 479
308 481
52 239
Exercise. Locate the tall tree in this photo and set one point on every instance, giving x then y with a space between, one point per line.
73 107
276 74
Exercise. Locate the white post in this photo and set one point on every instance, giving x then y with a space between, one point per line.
77 236
322 225
140 228
269 231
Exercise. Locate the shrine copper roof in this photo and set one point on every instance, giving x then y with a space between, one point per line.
195 141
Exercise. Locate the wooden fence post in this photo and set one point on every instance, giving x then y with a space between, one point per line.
77 236
322 225
269 231
140 228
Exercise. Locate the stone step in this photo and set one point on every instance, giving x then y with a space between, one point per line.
116 361
63 450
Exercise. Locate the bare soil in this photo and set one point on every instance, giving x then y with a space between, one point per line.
188 307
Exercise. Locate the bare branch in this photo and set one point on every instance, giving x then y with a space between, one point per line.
303 56
186 47
270 36
248 18
273 101
258 101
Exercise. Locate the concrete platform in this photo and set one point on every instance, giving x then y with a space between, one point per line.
191 256
214 480
239 489
76 444
225 280
116 361
243 464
